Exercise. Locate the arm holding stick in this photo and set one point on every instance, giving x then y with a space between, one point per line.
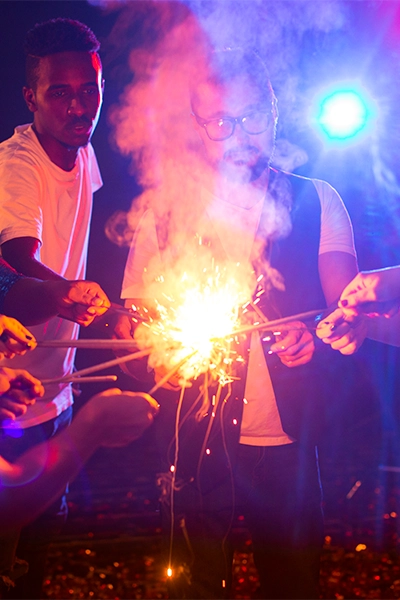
18 389
374 295
79 301
112 418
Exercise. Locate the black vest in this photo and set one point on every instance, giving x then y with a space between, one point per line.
300 391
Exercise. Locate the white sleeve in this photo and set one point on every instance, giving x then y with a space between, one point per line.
20 206
94 169
336 227
143 253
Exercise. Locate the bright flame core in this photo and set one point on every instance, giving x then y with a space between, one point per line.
196 313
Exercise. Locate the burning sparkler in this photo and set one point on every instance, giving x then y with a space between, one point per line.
196 313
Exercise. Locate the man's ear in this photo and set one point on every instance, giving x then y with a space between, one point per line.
30 98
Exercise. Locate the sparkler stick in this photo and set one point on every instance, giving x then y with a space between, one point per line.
276 323
122 310
89 343
111 363
258 311
73 379
170 373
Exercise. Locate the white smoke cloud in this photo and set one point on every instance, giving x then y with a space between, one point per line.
152 123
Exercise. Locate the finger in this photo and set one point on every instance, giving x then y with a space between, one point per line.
6 352
15 408
124 328
297 353
97 299
152 401
85 315
282 346
349 349
356 286
16 344
13 328
6 415
335 337
296 362
88 295
352 312
358 296
294 342
348 343
27 384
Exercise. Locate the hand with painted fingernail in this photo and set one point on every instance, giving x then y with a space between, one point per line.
294 347
14 338
373 293
343 333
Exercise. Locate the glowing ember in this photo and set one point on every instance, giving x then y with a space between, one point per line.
195 311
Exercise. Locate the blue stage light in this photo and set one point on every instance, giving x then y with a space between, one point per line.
343 114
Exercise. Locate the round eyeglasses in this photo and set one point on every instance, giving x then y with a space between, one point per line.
220 129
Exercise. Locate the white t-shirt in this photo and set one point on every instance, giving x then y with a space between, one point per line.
236 228
39 199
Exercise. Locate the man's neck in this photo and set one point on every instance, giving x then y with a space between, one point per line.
62 156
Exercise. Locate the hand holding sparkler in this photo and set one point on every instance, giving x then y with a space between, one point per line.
14 338
294 346
343 333
79 301
35 479
124 330
18 390
373 293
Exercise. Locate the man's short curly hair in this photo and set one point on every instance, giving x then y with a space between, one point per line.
53 36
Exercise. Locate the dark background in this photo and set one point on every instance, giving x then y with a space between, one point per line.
367 40
368 432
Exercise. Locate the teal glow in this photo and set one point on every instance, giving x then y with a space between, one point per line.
343 114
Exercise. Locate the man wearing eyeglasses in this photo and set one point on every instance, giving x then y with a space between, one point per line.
260 458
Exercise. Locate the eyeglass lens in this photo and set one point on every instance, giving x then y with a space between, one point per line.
252 123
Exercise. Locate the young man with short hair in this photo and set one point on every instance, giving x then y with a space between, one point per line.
48 174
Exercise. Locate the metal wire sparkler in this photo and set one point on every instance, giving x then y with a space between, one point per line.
115 344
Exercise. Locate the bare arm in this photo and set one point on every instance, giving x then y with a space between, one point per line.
373 292
22 254
18 389
28 486
79 301
377 294
336 269
352 326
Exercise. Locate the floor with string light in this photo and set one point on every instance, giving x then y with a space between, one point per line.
111 545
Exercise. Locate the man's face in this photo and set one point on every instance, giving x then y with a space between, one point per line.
67 99
243 156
